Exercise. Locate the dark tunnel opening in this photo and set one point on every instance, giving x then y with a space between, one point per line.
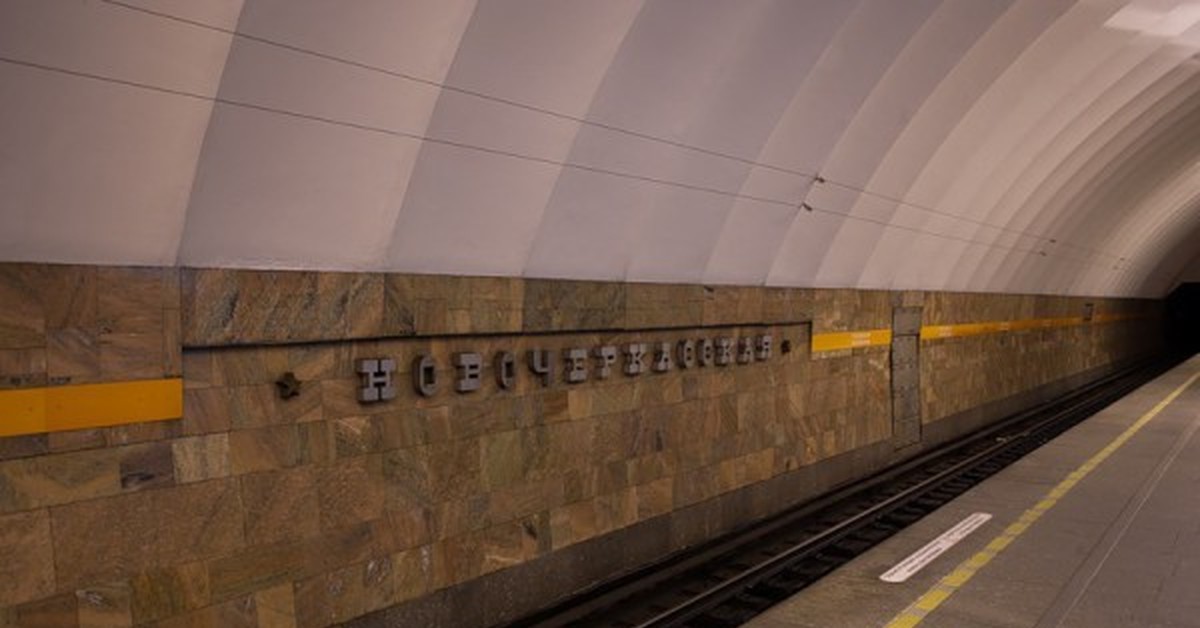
1183 319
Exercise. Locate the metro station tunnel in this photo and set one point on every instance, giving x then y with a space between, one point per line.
534 313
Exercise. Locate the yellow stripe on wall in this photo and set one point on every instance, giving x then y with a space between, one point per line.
838 341
937 332
59 408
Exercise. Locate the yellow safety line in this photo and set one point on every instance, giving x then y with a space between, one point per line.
59 408
948 585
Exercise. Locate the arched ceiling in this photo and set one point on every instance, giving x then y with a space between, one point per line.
1048 146
1191 270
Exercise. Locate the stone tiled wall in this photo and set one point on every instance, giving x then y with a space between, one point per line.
86 324
252 510
230 307
64 325
958 374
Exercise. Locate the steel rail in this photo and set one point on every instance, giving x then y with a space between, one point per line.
706 600
871 511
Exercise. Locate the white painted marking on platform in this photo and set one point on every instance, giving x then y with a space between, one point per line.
917 561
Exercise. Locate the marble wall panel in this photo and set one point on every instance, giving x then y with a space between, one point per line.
118 537
27 571
256 510
62 324
231 307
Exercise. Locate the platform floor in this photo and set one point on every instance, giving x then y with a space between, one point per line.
1099 528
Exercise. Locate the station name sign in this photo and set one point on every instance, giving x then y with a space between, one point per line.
578 364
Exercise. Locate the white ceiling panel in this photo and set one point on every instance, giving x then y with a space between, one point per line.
107 40
94 172
465 208
286 192
417 38
992 145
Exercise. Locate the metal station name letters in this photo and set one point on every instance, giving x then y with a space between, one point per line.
579 364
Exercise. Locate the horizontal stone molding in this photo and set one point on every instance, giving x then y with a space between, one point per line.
244 307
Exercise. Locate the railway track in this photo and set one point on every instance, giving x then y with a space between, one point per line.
728 581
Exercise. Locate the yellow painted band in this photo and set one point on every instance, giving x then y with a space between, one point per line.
959 330
836 341
59 408
948 585
905 621
932 599
842 340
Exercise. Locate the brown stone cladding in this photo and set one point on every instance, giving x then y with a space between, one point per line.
254 510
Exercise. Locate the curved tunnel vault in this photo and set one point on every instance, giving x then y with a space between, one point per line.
1044 146
433 312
